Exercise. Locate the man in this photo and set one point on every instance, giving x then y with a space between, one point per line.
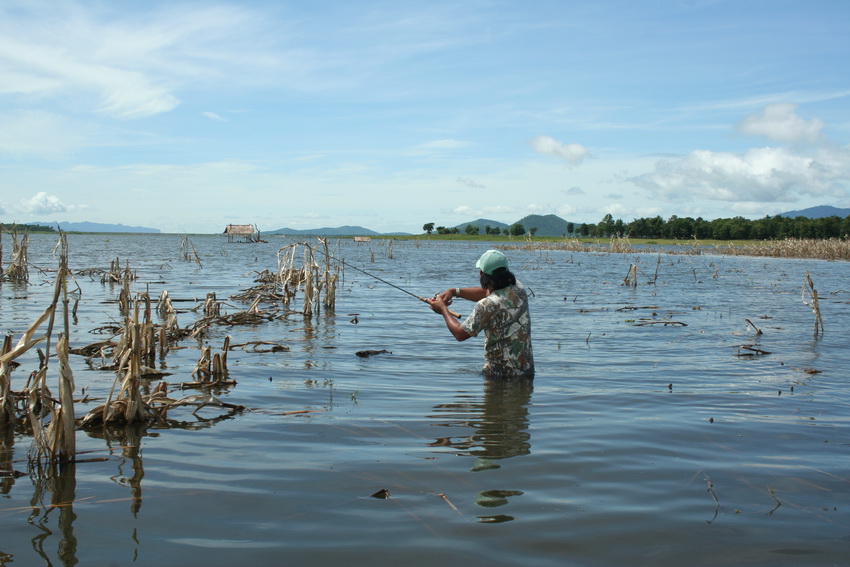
501 311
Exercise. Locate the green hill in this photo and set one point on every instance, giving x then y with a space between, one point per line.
546 225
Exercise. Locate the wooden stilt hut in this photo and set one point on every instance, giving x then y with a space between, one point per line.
242 233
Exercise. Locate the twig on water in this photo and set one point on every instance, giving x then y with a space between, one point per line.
710 490
447 501
809 287
778 503
665 323
750 323
751 351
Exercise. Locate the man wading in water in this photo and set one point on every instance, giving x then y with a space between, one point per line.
501 311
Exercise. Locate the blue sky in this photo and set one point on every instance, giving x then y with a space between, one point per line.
187 116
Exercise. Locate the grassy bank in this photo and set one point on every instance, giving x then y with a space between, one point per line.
824 249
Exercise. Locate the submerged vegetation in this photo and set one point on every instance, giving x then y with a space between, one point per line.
138 341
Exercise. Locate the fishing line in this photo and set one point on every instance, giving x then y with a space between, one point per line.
344 263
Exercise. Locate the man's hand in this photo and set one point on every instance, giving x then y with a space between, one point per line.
447 296
438 304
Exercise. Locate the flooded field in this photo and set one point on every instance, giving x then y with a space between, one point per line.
687 416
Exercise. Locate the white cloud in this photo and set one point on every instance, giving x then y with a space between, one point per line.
780 123
42 203
121 64
758 175
565 211
48 67
213 116
573 154
465 210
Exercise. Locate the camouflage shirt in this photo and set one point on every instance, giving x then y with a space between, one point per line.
503 316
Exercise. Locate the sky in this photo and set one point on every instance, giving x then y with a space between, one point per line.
185 116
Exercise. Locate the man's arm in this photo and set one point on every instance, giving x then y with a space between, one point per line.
474 294
439 306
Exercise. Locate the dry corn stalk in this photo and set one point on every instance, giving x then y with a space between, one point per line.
309 288
330 281
164 306
128 406
61 443
7 403
211 369
116 274
631 276
212 308
55 441
308 278
809 289
19 268
185 246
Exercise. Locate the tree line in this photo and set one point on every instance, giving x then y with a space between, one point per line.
6 227
515 229
735 228
681 228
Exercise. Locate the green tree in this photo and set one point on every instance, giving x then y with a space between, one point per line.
517 229
606 226
470 229
656 227
680 228
619 227
428 227
532 231
845 228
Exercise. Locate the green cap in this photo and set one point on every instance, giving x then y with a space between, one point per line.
491 261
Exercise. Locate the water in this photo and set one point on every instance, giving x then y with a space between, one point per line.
639 443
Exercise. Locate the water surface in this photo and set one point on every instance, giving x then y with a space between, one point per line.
648 437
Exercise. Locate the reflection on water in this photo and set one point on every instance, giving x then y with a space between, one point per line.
60 483
499 418
500 423
126 440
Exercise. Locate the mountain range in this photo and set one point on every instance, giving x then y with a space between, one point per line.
546 225
96 227
818 212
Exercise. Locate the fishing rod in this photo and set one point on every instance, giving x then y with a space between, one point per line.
419 297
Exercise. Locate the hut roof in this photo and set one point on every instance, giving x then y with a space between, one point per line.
240 229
